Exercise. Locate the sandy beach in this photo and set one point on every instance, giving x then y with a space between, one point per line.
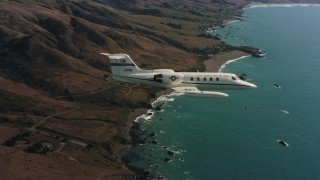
216 61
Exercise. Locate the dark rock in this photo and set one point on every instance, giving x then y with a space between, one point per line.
167 160
146 173
142 141
136 126
283 143
165 147
170 153
152 134
154 142
259 54
277 85
158 108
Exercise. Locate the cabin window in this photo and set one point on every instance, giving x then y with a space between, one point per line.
204 79
191 79
217 79
198 79
211 79
233 78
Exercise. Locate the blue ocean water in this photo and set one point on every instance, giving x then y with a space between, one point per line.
236 137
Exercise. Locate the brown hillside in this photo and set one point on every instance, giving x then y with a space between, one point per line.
59 117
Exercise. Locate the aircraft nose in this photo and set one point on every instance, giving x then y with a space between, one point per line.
252 85
249 85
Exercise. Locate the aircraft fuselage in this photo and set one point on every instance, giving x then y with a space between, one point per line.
201 80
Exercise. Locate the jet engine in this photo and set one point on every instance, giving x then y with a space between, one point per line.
168 78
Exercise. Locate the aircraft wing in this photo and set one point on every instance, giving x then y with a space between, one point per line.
195 92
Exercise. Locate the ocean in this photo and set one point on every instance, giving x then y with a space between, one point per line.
236 137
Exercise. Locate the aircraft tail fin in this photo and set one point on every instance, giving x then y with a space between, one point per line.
122 64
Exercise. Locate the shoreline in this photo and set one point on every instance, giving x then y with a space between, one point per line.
263 5
218 61
232 60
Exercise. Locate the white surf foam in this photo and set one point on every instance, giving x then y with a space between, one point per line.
180 151
285 112
147 117
261 5
232 60
137 119
162 100
232 21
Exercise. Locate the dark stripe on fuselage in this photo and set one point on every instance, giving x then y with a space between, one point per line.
151 79
122 64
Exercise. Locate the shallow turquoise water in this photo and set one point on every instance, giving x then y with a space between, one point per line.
220 138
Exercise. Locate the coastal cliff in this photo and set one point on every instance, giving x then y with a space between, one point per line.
60 114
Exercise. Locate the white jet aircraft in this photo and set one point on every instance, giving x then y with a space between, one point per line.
186 83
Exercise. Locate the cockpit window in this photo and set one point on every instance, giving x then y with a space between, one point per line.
204 79
191 78
233 78
217 79
211 79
